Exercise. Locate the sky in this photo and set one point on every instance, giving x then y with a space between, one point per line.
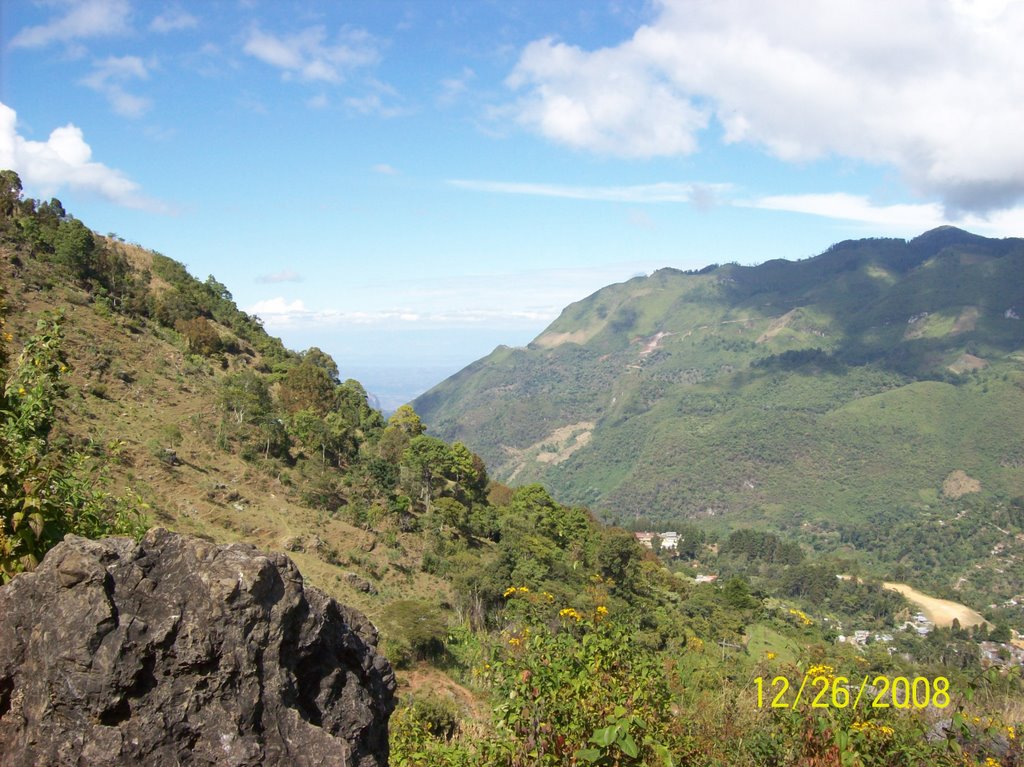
409 183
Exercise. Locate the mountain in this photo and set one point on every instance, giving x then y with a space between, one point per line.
883 376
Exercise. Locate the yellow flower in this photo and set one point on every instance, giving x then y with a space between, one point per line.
990 762
1011 732
509 592
602 612
21 390
515 641
770 655
569 612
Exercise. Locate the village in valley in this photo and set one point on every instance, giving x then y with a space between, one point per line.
1000 654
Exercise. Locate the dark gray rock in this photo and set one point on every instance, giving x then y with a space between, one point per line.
176 651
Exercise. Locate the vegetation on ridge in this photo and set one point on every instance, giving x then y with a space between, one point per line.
835 398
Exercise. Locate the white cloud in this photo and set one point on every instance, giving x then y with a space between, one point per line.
931 88
901 219
528 299
279 312
309 56
318 101
108 78
373 104
608 101
64 161
82 19
453 88
697 194
385 170
173 19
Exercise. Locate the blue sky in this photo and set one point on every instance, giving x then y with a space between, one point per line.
407 184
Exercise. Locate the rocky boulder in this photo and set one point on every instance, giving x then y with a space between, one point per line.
175 651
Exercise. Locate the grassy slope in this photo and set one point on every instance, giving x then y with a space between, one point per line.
132 381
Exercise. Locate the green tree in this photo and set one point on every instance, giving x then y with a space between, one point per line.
200 335
406 419
307 386
10 193
322 360
417 628
74 245
245 397
428 461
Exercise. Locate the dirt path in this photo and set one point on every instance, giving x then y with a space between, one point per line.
941 612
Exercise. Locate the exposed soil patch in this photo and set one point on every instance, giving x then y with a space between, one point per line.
967 363
967 320
959 484
941 612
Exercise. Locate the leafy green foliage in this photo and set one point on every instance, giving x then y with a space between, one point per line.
45 492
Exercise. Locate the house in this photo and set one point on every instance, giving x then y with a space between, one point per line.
669 540
645 539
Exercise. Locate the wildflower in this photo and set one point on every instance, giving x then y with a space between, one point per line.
990 762
820 669
548 596
509 592
602 612
515 641
569 612
21 390
1011 732
802 616
770 655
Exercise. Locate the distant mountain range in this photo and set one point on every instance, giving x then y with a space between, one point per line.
882 375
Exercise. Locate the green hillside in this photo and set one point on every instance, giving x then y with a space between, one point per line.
820 391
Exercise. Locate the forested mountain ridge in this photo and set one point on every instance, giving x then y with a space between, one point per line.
866 379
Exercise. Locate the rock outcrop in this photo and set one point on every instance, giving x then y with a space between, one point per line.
175 651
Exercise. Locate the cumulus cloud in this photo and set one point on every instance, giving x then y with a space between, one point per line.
930 88
81 19
310 56
108 78
64 160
